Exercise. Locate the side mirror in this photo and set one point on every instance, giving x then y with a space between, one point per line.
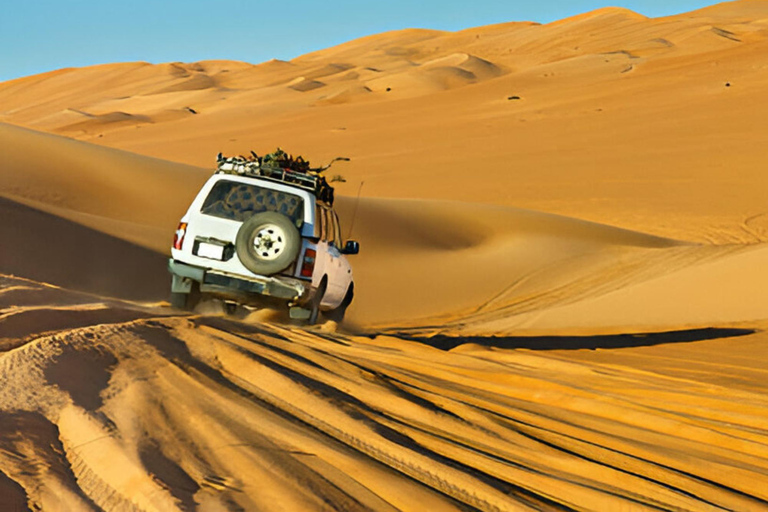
351 247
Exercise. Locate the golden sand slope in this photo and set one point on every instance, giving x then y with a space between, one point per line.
108 404
426 266
137 198
428 398
125 407
650 124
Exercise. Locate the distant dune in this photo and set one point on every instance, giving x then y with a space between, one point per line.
640 115
560 299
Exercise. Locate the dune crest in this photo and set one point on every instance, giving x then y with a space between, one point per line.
583 101
603 15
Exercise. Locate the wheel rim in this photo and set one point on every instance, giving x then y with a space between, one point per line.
269 242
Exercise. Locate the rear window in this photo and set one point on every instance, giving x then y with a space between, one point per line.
238 201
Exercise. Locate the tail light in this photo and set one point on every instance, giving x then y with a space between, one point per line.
308 265
178 237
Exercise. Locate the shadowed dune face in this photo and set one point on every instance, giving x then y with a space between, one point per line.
55 250
32 451
13 494
136 198
583 342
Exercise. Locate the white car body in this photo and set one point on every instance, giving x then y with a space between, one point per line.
319 231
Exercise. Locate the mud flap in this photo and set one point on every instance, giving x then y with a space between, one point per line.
183 275
297 313
181 284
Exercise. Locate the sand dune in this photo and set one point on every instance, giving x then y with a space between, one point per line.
610 116
443 73
136 198
560 299
302 84
479 67
158 412
97 123
345 95
510 264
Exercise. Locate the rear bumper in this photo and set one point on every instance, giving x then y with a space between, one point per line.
223 283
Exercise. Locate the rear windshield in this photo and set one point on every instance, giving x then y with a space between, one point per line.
238 201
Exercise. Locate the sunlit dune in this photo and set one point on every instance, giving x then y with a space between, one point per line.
608 116
560 299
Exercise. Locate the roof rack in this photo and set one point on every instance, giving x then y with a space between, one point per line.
280 167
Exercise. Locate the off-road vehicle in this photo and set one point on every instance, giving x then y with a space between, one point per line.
263 230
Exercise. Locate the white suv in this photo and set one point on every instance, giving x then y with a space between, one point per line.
256 235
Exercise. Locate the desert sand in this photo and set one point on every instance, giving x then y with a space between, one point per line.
561 297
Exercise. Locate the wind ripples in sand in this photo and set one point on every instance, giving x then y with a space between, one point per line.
193 413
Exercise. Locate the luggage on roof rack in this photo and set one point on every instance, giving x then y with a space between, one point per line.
279 166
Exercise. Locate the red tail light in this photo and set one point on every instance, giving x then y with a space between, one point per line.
308 265
178 237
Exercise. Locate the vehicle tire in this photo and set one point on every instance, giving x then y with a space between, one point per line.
314 309
230 308
179 300
267 243
337 315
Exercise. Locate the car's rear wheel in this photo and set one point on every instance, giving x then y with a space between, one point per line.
179 300
314 308
337 315
267 243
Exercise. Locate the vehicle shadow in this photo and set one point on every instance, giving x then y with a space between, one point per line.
583 342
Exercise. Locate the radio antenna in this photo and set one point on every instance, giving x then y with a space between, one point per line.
354 212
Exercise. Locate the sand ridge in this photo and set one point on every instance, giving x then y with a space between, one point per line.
519 271
191 408
632 112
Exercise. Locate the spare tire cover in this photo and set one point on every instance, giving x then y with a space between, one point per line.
267 243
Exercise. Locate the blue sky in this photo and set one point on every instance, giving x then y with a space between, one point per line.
42 35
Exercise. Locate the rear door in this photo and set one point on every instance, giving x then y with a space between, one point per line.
344 268
322 258
334 271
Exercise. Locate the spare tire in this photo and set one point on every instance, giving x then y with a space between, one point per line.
267 243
